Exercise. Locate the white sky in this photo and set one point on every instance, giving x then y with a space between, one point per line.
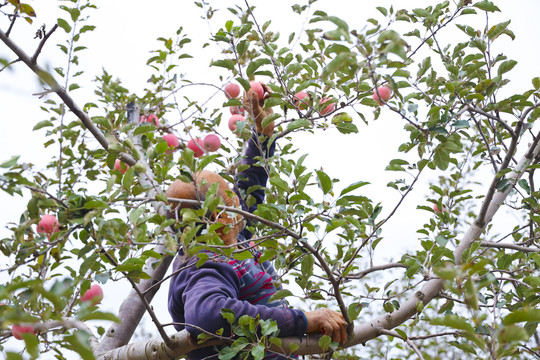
126 32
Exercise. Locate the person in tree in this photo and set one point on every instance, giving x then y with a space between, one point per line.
197 294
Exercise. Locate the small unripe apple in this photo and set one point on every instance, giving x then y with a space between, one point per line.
232 90
237 110
329 108
48 224
153 119
94 295
120 166
382 95
299 100
234 119
211 142
172 141
197 147
257 87
18 330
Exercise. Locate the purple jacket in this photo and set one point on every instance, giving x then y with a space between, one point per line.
197 294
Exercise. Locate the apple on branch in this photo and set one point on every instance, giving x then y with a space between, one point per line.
301 99
172 142
17 330
382 94
211 142
196 146
329 108
234 120
48 224
94 295
258 88
153 119
121 166
232 90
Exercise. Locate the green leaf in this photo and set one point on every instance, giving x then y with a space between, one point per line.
325 183
307 265
536 83
280 294
506 66
228 64
258 352
324 342
486 6
347 128
254 65
340 61
521 316
143 129
42 124
353 186
297 124
512 333
461 124
64 25
9 163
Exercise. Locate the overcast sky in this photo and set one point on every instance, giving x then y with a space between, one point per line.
126 32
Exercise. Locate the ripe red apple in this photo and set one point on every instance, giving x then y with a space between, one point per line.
94 295
257 87
237 110
172 140
299 100
232 90
234 119
18 330
329 108
121 166
211 142
153 119
48 224
197 147
382 95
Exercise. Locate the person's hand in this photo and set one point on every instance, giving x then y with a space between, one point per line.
255 107
329 322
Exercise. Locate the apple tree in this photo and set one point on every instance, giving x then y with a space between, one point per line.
97 212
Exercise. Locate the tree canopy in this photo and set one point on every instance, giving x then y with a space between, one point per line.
465 147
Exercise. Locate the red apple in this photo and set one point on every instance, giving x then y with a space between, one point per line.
437 210
257 87
211 142
121 166
232 90
197 147
48 224
94 295
18 330
237 110
299 100
172 140
234 119
153 119
382 95
328 108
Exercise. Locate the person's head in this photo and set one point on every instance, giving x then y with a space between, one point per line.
197 190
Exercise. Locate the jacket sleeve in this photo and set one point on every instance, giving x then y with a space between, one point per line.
215 286
252 180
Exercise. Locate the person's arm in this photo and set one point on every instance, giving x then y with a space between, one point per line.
215 286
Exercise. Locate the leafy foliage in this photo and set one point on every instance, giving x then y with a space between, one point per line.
322 235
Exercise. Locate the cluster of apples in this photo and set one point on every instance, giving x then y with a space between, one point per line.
209 143
232 91
302 101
